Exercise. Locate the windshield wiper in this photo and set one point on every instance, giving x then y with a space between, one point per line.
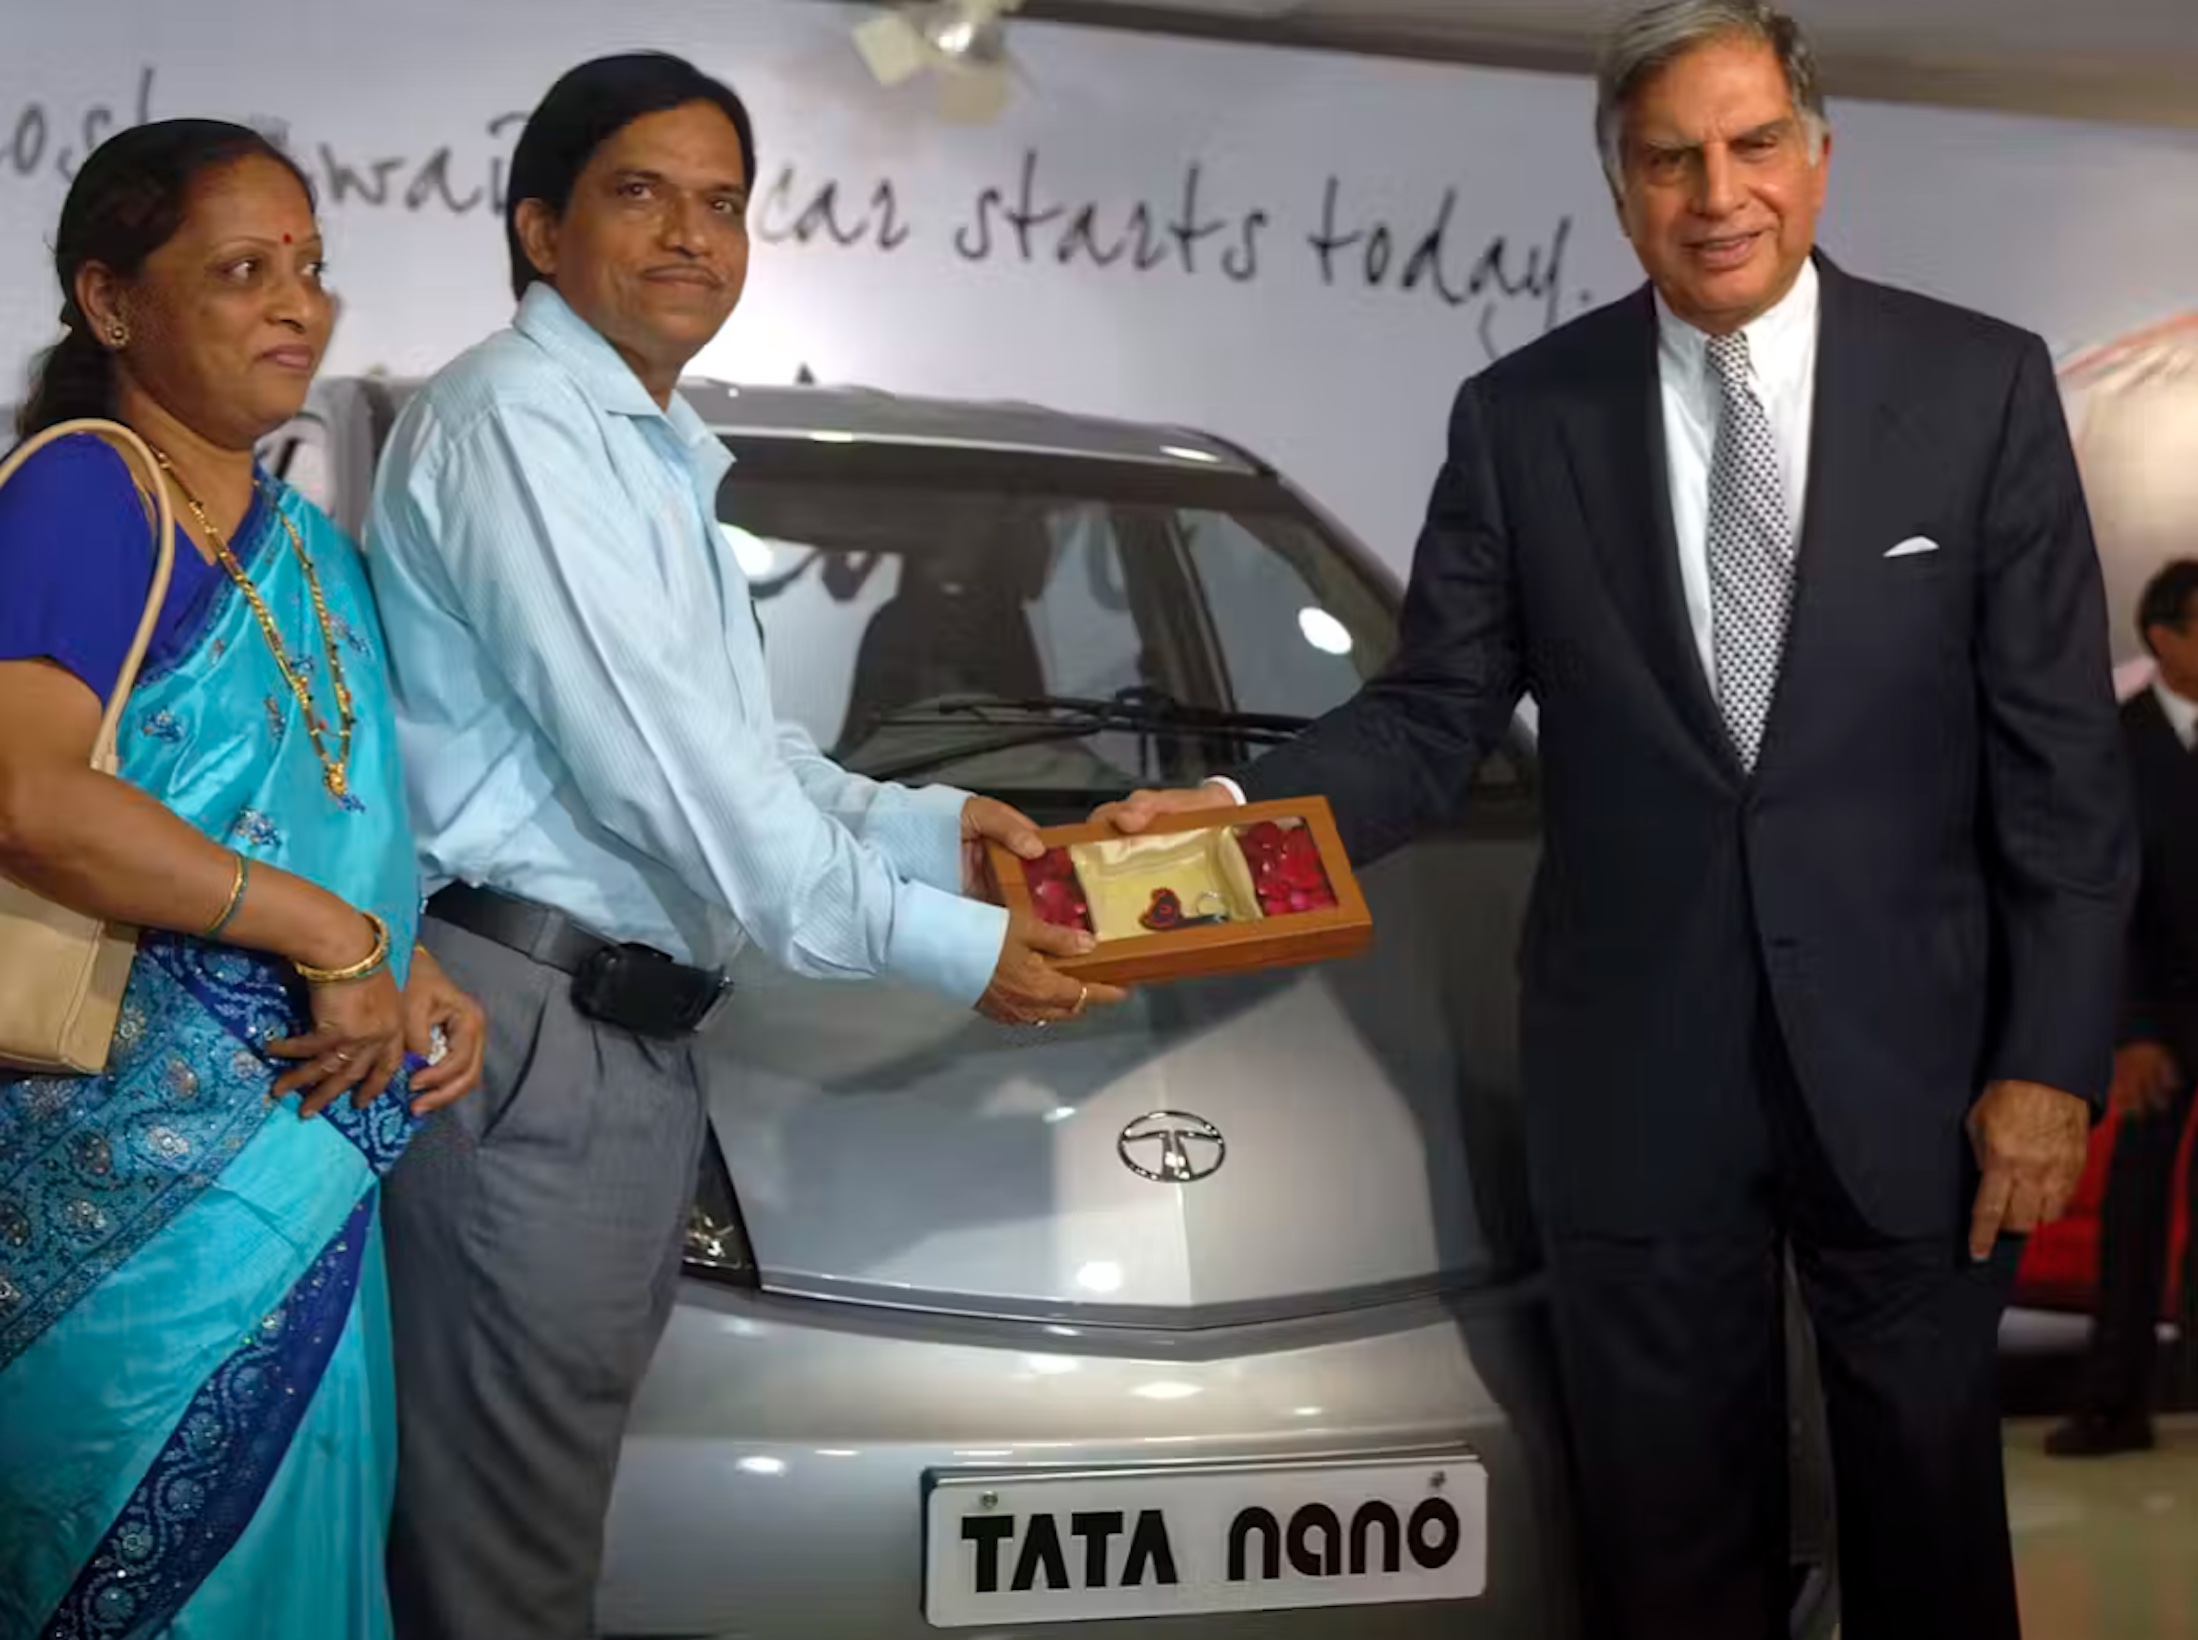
1126 708
1043 718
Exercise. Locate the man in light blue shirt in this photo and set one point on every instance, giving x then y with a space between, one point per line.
599 778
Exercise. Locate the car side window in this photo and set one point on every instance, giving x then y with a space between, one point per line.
1283 645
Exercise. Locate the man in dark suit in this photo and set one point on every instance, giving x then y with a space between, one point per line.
1823 954
2153 1072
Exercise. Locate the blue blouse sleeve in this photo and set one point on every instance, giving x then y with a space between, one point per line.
76 561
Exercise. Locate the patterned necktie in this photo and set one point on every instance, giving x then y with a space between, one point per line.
1751 552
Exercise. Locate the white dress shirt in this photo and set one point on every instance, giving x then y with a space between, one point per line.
1782 362
2182 715
582 699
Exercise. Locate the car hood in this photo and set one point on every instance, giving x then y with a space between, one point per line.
888 1148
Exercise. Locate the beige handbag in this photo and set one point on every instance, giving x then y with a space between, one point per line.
62 973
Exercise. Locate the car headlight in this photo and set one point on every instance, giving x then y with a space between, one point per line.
716 1246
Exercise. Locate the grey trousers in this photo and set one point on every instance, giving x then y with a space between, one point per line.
533 1235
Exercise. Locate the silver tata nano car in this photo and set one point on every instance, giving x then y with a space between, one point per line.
1215 1314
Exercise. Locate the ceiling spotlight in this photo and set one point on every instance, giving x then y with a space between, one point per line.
961 43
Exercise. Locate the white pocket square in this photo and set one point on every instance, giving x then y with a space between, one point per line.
1915 546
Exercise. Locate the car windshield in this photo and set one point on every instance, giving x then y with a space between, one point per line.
1051 629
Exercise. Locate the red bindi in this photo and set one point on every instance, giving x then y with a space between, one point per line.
286 239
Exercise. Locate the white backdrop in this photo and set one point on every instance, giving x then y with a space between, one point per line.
1338 364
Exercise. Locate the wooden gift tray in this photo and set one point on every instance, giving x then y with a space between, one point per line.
1217 875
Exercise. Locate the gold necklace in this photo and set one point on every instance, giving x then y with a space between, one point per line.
332 768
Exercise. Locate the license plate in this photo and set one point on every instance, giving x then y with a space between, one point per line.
1022 1549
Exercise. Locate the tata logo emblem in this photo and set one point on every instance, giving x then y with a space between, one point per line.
1172 1147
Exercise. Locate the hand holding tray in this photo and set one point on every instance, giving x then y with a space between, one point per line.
1218 891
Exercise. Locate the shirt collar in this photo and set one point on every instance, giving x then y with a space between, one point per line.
706 452
546 319
1779 341
2182 715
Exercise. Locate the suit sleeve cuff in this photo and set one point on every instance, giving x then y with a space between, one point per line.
2088 1079
1231 787
945 943
918 829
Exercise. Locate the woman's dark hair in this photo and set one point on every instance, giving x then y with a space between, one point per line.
584 110
2167 598
128 200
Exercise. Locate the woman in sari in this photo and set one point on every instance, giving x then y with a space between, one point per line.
195 1403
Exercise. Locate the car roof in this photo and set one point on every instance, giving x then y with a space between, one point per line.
861 415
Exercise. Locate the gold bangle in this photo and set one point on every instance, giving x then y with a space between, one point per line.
235 903
372 963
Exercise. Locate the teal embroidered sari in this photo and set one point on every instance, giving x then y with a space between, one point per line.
196 1414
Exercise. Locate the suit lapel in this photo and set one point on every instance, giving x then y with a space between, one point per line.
1622 471
1855 411
1856 393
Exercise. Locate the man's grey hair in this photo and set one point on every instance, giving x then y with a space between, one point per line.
1652 38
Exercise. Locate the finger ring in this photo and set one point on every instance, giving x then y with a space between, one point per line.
1082 996
1040 1024
340 1056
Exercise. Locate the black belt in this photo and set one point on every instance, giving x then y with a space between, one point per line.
634 987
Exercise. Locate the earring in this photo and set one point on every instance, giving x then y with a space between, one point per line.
119 334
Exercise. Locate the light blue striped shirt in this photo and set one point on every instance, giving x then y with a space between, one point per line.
585 713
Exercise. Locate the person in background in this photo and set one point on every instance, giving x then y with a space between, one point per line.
600 778
196 1414
1822 961
2158 1059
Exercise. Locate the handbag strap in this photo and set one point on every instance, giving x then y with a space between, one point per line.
131 448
